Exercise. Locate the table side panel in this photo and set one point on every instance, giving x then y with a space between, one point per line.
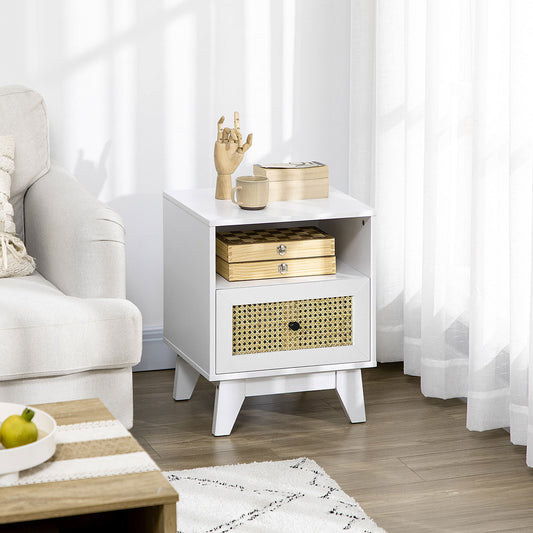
155 519
189 278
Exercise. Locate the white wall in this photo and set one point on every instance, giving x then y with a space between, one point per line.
134 90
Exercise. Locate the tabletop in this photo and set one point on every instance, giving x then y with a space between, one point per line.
202 204
83 496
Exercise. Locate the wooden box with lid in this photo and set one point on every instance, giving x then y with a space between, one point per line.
274 253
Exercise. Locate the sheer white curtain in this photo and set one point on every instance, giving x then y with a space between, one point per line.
452 166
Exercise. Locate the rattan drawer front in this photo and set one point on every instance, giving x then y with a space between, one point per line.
279 329
292 325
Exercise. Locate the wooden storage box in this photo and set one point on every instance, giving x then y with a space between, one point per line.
295 181
274 253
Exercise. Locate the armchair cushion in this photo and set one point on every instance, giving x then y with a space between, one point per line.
47 333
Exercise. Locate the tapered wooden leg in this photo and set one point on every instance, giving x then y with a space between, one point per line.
350 390
185 378
228 401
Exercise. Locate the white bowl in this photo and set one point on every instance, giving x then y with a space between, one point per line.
13 460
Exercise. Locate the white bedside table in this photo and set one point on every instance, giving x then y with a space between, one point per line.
199 305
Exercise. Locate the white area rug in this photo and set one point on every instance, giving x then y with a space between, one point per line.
272 497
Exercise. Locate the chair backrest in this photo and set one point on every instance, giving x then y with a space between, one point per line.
23 115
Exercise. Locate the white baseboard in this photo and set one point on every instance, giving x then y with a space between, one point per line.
156 354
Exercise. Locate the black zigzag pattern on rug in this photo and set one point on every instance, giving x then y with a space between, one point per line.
349 508
286 498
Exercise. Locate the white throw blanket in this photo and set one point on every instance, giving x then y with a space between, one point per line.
14 260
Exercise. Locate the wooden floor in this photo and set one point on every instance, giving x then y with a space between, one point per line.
413 466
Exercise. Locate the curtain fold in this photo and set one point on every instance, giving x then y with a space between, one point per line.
453 189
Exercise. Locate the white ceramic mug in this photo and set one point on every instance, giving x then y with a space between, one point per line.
250 192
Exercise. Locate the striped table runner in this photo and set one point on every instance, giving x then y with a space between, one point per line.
88 450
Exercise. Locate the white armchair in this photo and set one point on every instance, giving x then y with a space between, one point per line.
66 331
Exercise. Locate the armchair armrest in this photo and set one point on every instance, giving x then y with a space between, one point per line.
77 242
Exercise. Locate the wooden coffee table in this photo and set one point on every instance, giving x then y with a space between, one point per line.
140 502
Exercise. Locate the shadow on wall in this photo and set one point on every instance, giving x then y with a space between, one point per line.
154 76
93 175
151 78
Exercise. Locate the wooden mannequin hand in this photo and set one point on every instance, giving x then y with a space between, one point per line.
229 148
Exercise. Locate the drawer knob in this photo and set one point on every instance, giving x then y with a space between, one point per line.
283 268
282 249
295 326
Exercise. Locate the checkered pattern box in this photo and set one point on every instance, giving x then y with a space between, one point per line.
275 253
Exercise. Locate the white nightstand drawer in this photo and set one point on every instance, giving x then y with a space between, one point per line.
293 325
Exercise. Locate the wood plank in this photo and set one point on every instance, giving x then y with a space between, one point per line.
471 504
77 411
466 462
